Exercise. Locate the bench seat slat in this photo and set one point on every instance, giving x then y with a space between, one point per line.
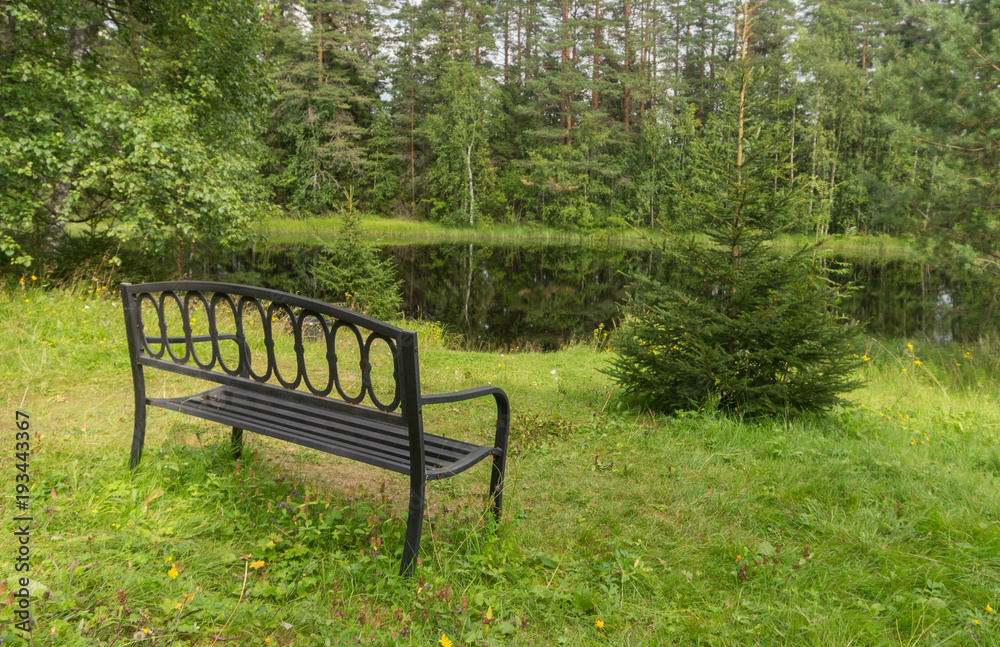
441 449
366 441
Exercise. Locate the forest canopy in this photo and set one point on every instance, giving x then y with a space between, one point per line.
175 120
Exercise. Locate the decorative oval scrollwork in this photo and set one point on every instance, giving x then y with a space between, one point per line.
367 367
300 333
272 359
334 369
146 296
184 324
190 296
241 328
213 330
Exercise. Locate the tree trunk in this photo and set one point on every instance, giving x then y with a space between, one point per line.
472 192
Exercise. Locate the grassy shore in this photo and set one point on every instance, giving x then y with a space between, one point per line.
877 524
404 232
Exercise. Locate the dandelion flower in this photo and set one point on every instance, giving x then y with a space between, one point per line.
975 622
917 362
257 564
989 609
599 624
173 573
444 642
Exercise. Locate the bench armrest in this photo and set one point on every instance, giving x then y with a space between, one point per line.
503 408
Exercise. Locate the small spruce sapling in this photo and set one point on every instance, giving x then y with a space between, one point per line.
754 331
350 271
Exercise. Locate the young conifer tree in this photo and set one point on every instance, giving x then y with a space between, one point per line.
350 271
753 330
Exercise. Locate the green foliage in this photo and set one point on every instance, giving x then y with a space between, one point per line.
944 89
327 75
350 271
757 341
145 130
759 333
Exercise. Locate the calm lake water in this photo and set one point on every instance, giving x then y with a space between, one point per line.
548 295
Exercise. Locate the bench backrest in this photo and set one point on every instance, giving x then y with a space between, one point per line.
160 328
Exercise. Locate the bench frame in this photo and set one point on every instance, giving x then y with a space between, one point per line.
388 435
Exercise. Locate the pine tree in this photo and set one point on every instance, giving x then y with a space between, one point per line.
756 332
327 83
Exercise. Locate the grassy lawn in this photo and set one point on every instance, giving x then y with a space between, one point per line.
403 232
878 524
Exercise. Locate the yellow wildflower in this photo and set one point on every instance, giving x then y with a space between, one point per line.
989 609
167 560
599 624
173 573
257 564
975 622
444 642
917 362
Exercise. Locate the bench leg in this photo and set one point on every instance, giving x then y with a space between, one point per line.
414 525
496 484
138 431
237 442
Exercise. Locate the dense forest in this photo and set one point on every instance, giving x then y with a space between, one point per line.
172 120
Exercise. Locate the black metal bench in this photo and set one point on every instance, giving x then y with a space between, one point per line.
254 395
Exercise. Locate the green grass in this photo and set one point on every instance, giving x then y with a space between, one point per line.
408 232
878 524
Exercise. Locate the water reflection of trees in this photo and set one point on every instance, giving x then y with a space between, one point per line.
546 295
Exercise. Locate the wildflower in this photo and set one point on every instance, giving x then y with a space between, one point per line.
173 573
917 362
168 560
34 278
975 622
989 609
910 346
553 371
270 543
599 624
444 642
866 358
257 564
